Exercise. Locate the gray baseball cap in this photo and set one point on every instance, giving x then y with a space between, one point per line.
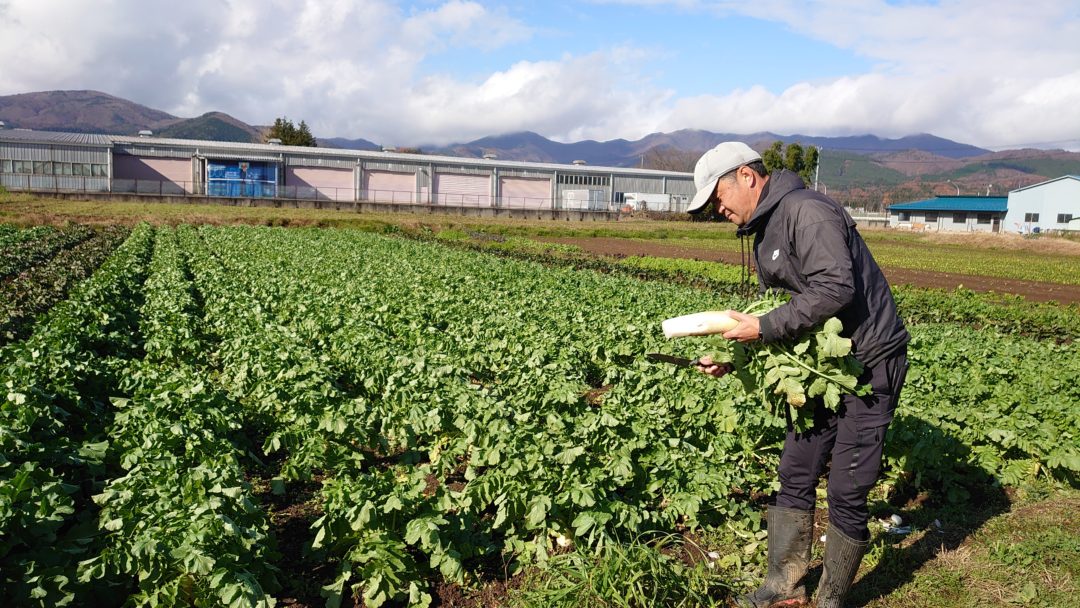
714 164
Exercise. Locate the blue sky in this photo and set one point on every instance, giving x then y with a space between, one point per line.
994 73
682 51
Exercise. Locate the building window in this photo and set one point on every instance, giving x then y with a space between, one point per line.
984 218
5 166
1064 218
1031 217
931 217
583 180
959 218
903 216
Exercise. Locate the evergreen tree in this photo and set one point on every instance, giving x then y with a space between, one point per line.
290 134
794 158
774 157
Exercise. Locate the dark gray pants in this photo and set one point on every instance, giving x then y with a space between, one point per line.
852 438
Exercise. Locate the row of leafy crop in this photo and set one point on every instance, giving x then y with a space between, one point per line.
450 401
121 480
722 279
55 409
467 407
1012 452
1007 314
1030 396
180 518
462 410
11 234
975 398
37 287
26 253
1013 315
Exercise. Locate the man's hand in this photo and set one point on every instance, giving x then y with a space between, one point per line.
717 370
748 329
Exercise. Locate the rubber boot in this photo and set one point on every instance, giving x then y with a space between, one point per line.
842 557
790 537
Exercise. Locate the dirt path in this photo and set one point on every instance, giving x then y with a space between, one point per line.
1032 290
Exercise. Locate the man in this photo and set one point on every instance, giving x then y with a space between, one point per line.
807 245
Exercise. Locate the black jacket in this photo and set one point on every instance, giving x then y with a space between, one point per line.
807 245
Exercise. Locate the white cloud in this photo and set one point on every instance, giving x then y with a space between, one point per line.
992 73
348 67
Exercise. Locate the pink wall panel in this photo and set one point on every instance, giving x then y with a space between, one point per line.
525 192
320 182
144 168
389 186
463 190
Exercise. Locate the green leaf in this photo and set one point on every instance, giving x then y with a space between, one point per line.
568 456
537 511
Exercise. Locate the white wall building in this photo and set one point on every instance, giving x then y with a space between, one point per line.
1050 205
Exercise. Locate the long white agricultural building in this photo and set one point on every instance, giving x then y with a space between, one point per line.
46 161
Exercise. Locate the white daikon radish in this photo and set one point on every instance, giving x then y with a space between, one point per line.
698 324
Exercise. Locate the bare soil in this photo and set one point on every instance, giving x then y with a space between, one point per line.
1032 290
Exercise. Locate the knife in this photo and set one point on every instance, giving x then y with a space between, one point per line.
662 358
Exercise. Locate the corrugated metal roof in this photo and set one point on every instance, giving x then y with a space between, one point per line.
225 149
54 137
211 155
956 203
1049 181
387 156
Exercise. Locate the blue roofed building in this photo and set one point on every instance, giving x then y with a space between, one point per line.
951 213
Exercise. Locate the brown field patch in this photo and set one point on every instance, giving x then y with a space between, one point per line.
1033 290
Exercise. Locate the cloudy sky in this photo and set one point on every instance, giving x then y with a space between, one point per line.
994 73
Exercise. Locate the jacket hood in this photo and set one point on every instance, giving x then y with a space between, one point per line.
780 184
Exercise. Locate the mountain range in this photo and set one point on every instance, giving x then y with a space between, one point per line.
864 163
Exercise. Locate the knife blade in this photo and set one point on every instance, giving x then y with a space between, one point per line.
662 358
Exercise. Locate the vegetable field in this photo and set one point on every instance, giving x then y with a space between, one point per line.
461 417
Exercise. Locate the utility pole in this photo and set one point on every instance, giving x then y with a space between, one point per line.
817 167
